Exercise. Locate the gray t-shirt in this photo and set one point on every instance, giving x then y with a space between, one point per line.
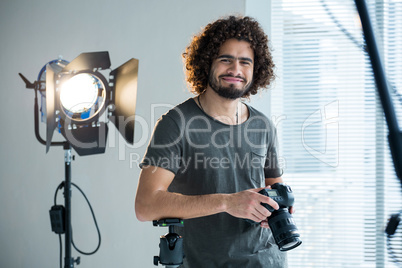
208 156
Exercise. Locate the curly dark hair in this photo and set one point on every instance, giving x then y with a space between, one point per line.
204 48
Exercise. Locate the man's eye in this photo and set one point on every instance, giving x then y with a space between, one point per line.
225 60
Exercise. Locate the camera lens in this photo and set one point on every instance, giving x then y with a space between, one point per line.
284 229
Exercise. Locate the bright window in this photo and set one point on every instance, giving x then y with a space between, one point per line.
332 132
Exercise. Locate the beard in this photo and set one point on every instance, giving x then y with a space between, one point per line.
230 92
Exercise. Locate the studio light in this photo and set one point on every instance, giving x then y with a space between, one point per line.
76 94
82 96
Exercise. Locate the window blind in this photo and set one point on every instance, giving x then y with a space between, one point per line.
331 129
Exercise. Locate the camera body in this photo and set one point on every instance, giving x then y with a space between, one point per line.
280 193
281 222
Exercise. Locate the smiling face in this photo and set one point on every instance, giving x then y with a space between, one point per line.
231 72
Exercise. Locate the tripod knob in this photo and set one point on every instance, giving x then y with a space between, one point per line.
156 260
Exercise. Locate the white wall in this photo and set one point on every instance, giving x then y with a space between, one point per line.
261 11
35 32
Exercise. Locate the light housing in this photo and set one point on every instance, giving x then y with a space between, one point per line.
75 95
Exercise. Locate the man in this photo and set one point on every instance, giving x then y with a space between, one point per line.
210 156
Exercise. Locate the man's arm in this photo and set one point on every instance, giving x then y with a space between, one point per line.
154 202
272 181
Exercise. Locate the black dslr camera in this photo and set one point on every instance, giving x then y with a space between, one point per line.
281 222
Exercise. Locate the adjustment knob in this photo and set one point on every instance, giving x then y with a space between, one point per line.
156 260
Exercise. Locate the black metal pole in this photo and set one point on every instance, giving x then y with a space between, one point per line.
378 69
395 135
68 260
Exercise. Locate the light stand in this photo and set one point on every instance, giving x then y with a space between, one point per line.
68 260
65 216
395 134
78 121
64 220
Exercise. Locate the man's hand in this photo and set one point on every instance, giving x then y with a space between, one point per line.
247 205
264 223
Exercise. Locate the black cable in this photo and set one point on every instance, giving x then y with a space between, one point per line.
61 185
355 41
341 28
61 251
96 224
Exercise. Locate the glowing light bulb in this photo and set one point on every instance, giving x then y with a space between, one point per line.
80 93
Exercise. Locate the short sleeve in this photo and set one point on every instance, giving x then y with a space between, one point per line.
272 167
165 147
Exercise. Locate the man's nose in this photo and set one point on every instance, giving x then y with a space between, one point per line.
234 68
